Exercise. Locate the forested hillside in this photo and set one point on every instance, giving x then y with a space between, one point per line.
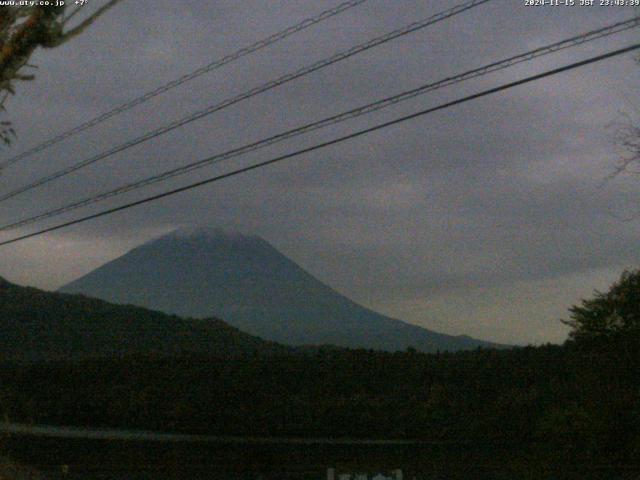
39 325
576 402
571 400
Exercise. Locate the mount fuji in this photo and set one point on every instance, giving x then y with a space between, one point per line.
248 283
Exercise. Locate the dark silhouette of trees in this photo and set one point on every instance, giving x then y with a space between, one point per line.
610 314
573 404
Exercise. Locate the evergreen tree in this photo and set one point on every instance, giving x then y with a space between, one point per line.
611 314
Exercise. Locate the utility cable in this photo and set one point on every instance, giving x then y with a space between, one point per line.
265 42
246 95
353 113
335 141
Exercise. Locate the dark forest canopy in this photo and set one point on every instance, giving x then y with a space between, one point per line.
40 325
564 399
577 401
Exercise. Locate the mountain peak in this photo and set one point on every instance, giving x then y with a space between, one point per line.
199 236
190 231
202 272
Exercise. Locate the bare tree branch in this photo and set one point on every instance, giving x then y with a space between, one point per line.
24 29
71 15
86 23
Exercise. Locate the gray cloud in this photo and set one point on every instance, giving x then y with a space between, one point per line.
488 219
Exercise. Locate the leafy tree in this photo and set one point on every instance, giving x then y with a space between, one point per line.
610 314
23 29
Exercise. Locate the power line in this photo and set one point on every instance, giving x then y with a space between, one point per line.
250 93
341 117
335 141
265 42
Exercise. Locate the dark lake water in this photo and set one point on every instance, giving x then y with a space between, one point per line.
74 454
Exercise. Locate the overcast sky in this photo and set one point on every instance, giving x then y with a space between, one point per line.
489 219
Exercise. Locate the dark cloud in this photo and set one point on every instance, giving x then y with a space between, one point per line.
488 219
